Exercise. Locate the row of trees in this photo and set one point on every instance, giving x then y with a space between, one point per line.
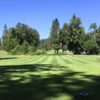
21 39
72 36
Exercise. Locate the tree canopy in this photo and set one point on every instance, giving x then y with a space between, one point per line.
72 37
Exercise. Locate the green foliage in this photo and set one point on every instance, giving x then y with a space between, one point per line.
75 31
99 51
63 35
91 47
31 49
37 53
43 51
0 42
22 35
54 36
25 46
40 52
65 48
24 40
15 50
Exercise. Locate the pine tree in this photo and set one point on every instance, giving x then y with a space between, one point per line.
63 35
54 35
75 31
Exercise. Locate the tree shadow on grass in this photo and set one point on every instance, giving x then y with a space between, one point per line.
8 58
45 82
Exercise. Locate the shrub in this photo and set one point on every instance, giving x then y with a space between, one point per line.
65 48
37 53
43 51
99 51
24 47
15 50
40 52
30 49
91 47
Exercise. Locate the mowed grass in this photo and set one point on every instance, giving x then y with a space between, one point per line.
57 77
51 52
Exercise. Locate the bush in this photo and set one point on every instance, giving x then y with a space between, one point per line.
37 53
31 49
24 47
19 53
65 48
15 50
40 52
99 51
91 47
43 51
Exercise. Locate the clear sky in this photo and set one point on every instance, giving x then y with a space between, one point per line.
39 14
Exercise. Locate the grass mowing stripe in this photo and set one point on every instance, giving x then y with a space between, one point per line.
67 61
71 60
60 60
54 60
82 60
85 60
88 59
7 62
44 60
31 59
78 60
48 60
39 60
21 60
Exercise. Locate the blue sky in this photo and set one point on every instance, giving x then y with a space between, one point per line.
39 14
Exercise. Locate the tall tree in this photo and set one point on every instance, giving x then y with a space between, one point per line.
75 31
93 28
19 25
63 35
0 41
98 36
5 29
54 39
5 32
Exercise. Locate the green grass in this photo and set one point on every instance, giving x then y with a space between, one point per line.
51 52
57 77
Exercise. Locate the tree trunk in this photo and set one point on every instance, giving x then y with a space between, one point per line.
57 51
62 47
63 50
74 48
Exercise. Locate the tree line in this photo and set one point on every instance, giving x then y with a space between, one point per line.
21 39
72 36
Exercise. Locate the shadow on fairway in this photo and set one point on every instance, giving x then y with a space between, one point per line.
27 82
8 58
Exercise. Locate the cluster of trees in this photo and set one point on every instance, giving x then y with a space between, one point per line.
74 37
44 44
20 40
